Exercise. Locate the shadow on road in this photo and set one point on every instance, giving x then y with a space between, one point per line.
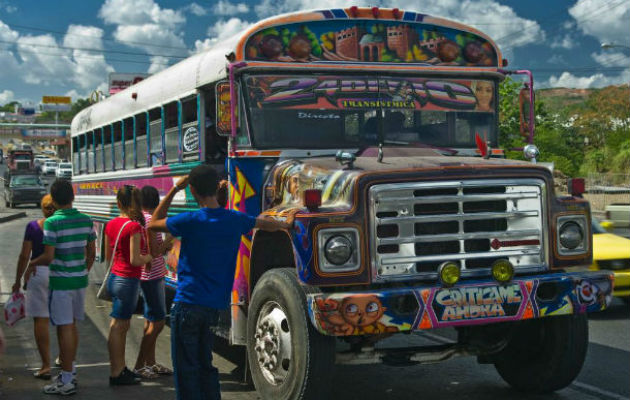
618 310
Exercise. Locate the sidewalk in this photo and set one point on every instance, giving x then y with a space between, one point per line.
21 359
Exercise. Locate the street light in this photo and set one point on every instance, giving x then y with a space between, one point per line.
613 45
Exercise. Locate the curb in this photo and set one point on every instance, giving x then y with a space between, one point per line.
13 216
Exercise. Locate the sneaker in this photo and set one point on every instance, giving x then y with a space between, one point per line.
126 377
146 372
57 387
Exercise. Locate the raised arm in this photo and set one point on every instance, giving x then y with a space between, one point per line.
158 220
272 225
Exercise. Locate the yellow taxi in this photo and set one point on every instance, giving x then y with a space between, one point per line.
612 252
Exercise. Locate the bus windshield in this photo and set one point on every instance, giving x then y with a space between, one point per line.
326 111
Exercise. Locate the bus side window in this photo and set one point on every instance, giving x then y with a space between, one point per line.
129 161
155 132
190 130
75 155
89 152
118 146
141 139
107 141
82 157
99 150
171 132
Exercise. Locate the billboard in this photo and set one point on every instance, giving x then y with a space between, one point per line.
118 82
43 133
56 99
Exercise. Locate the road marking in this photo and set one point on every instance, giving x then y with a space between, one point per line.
595 389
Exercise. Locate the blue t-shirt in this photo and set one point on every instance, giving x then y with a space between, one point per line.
207 258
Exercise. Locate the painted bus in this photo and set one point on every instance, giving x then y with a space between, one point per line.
377 130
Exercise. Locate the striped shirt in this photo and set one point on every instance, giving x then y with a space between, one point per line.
69 231
158 266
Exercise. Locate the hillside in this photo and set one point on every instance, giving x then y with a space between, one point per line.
562 100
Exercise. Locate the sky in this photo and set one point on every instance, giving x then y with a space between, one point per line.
66 47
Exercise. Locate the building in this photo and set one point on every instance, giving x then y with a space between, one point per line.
371 47
401 38
347 42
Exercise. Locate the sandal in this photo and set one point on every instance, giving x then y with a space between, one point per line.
146 372
161 370
42 375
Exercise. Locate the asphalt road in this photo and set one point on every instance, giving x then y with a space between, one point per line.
606 373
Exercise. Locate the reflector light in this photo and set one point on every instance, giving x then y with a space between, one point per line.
312 198
576 186
375 12
354 10
396 13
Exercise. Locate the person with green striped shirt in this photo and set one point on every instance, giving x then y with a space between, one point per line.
69 252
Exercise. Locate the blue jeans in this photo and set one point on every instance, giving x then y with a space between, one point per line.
191 351
124 292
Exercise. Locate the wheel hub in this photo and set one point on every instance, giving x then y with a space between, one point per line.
273 343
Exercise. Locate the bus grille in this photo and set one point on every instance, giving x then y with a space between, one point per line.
415 227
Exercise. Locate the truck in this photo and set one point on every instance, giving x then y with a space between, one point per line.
376 131
20 159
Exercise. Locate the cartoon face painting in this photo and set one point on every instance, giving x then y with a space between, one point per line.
362 311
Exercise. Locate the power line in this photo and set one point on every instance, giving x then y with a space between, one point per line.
91 49
31 28
93 58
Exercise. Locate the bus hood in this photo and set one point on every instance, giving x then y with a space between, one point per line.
290 178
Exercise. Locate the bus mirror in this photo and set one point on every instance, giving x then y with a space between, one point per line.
224 114
524 101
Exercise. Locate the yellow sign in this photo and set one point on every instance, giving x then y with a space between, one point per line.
56 100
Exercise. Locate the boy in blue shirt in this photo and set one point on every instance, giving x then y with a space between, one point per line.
210 238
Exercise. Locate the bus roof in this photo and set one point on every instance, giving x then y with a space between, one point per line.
392 38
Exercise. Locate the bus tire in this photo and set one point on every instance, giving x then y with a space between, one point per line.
544 355
288 358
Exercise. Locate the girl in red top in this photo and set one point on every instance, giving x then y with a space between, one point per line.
124 281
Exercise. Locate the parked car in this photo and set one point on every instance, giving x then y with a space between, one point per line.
612 252
23 188
64 170
618 214
49 168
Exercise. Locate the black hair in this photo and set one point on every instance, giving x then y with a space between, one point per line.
130 202
150 197
205 180
62 192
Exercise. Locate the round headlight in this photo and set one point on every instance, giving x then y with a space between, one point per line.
338 250
571 235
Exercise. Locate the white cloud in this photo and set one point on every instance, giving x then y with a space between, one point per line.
90 68
566 42
611 59
144 24
221 30
608 22
568 80
224 7
196 9
6 96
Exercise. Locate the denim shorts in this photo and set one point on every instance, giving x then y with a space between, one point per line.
154 300
124 292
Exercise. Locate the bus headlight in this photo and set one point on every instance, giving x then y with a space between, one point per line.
572 234
338 250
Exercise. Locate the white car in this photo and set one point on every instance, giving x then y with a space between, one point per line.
49 167
64 170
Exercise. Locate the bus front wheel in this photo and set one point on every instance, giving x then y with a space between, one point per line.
288 358
544 355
